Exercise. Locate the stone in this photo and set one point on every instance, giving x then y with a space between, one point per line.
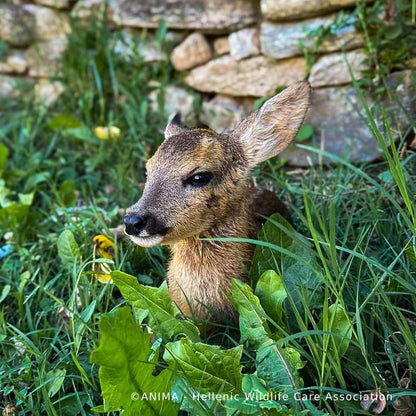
223 113
176 100
193 51
11 87
8 87
254 77
284 40
298 9
44 57
339 128
93 9
49 24
207 15
46 92
58 4
130 44
221 46
16 25
151 52
14 63
333 69
244 43
174 37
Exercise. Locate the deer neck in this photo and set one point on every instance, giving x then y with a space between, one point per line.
201 271
197 248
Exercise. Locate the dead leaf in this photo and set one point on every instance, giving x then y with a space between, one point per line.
374 397
404 406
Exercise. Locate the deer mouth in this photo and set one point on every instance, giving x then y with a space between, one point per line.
148 241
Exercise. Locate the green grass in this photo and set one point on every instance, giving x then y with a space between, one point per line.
353 242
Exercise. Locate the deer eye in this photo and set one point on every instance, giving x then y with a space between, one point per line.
199 179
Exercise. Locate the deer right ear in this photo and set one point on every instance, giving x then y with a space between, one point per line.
175 126
269 130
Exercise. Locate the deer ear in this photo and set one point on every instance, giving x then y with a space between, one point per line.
269 130
175 126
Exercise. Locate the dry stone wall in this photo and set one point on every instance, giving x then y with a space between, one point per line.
232 52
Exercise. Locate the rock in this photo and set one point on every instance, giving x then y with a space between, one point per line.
12 87
284 40
340 130
298 9
46 93
333 69
130 44
176 99
49 24
175 37
254 77
44 57
244 43
208 15
221 46
193 51
15 63
58 4
151 52
223 113
16 25
93 9
8 87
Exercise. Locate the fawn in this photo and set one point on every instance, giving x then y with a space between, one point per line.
197 189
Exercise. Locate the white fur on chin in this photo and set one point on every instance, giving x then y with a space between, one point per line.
151 241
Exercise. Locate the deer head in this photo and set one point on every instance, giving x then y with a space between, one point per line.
197 178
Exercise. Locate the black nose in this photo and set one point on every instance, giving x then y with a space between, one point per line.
134 224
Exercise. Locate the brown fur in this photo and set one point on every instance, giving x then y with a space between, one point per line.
200 271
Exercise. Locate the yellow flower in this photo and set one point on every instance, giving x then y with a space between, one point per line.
111 133
104 247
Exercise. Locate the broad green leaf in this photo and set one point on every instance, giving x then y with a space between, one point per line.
254 398
126 370
253 384
338 323
13 216
56 379
278 367
4 154
272 293
4 194
34 180
68 248
71 404
244 406
26 199
4 292
81 133
265 258
63 121
207 368
304 133
253 323
67 193
155 304
296 264
393 31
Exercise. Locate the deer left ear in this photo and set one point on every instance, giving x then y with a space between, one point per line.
269 130
175 126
